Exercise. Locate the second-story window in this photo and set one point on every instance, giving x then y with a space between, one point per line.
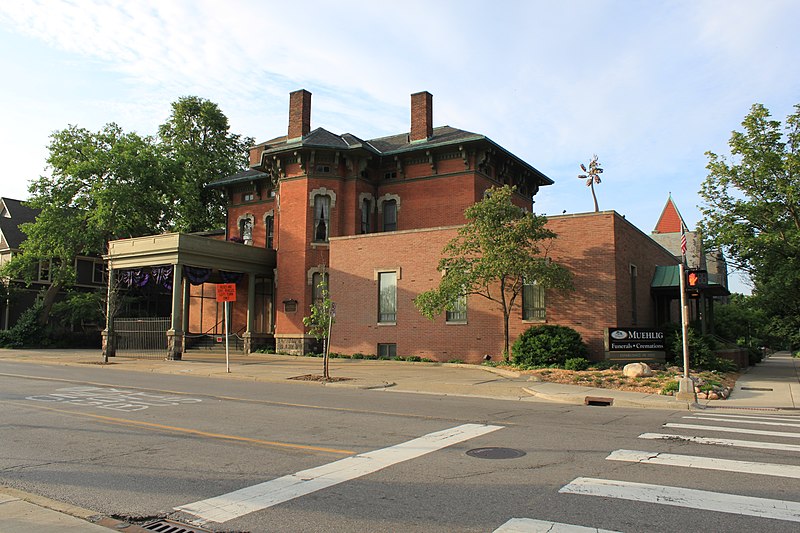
365 211
269 222
390 215
322 214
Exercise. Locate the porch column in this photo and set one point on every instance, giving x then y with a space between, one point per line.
175 333
251 307
185 312
109 345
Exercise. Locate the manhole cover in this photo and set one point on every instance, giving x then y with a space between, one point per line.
495 453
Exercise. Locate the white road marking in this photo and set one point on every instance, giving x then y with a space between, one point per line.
725 442
732 421
706 463
257 497
112 398
680 497
752 417
734 430
529 525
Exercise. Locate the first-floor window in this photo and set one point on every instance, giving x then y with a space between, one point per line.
319 283
533 305
44 270
387 297
634 275
458 313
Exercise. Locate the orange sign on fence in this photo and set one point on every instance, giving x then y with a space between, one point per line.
226 292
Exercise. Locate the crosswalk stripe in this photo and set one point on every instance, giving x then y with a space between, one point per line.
681 497
732 421
752 417
257 497
724 442
734 430
530 525
705 463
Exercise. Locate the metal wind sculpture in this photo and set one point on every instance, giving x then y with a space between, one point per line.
592 176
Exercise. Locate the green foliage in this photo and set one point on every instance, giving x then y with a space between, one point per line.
320 318
751 211
26 332
197 138
576 363
499 247
547 345
701 352
414 358
357 356
79 308
672 386
742 321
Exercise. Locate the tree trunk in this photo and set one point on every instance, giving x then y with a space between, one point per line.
506 353
48 301
325 372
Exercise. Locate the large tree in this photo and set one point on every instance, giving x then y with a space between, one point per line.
103 185
197 137
751 210
496 252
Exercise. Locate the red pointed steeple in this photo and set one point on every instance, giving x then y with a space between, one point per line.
670 220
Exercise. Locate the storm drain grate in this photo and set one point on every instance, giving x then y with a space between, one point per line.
596 400
765 389
495 453
170 526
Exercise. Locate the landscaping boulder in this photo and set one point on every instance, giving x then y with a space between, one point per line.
637 370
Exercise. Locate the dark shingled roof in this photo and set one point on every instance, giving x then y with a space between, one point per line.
20 214
239 177
385 146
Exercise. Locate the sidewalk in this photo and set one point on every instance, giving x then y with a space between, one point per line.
773 384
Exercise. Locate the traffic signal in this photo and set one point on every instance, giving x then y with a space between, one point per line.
696 279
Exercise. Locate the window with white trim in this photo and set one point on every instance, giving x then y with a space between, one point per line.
269 223
366 207
322 217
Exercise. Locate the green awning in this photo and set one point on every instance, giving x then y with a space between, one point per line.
667 279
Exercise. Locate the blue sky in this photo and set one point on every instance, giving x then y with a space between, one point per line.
648 86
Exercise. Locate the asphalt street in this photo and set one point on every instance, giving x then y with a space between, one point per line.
237 455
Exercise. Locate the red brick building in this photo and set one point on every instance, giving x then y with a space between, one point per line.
373 216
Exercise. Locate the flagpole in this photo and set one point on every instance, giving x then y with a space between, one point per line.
686 385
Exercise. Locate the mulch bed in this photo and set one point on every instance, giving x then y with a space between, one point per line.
319 378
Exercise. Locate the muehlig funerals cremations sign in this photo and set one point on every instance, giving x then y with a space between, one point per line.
620 342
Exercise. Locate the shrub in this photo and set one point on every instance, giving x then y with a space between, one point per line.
576 363
357 356
414 358
547 345
27 331
672 386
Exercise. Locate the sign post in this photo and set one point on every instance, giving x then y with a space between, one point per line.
226 292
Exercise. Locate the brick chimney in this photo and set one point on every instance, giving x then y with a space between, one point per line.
421 116
299 114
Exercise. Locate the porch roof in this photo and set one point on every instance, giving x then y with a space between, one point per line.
667 279
191 250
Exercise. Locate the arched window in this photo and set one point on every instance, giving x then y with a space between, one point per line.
322 217
390 215
269 223
246 229
366 206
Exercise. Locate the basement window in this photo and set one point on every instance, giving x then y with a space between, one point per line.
387 351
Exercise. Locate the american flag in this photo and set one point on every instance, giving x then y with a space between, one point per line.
683 241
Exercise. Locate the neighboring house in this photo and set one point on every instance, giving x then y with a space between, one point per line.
19 295
667 233
371 217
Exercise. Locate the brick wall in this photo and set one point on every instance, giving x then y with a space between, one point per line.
597 247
